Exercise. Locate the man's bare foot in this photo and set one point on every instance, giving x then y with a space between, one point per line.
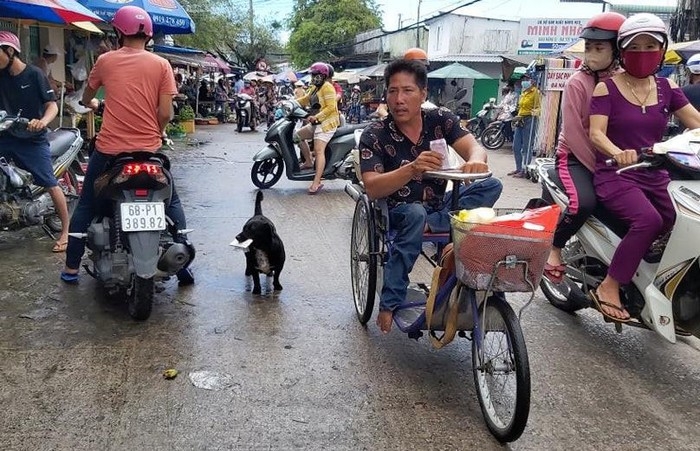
384 320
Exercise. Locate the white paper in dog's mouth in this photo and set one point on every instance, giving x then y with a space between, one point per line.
243 246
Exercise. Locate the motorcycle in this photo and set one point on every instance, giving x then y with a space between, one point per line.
664 295
245 113
24 204
280 152
132 242
483 118
497 133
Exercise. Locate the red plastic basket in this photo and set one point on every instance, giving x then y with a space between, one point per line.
480 247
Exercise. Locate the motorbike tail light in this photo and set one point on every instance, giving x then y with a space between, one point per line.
141 168
141 192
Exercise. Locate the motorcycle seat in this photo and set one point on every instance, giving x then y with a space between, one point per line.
61 139
347 129
611 221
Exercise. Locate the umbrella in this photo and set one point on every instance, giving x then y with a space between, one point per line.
376 71
681 51
218 63
288 76
253 76
168 16
51 11
456 70
349 77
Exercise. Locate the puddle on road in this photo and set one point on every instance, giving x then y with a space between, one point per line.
211 380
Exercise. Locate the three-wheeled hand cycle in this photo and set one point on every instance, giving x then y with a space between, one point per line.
469 302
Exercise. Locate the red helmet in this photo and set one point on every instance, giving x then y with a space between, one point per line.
603 27
415 54
10 40
320 68
132 20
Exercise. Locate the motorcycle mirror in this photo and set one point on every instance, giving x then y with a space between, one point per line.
459 95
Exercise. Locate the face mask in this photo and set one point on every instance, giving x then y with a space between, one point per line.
526 84
642 64
598 60
317 80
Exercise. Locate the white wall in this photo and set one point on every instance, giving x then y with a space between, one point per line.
456 34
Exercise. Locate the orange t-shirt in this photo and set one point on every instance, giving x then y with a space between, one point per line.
133 80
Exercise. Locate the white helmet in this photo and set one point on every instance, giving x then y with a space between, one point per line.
642 23
693 64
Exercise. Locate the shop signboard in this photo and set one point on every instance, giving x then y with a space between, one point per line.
555 78
542 36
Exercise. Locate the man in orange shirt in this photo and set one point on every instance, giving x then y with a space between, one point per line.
140 87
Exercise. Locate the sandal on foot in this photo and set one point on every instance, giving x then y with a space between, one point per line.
555 273
314 191
306 166
70 278
598 305
59 247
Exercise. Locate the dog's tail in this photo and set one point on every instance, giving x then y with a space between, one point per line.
258 203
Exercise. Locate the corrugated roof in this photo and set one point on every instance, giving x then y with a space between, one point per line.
643 6
469 58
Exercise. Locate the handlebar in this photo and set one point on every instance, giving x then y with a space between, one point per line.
645 160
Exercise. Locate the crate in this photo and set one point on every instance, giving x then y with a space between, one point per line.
480 247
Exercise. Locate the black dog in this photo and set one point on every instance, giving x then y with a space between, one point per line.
266 253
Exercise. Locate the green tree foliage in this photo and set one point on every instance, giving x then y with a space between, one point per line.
322 29
224 27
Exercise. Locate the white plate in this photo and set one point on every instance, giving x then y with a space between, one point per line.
143 216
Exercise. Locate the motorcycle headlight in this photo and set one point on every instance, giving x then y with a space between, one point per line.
286 106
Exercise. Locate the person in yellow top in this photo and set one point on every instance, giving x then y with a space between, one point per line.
524 122
322 123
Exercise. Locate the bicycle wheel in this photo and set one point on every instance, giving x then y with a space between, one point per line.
501 371
363 259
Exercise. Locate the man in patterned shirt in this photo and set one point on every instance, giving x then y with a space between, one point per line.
394 155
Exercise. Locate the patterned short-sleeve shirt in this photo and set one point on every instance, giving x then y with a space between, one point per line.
383 148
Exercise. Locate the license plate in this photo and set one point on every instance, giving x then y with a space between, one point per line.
143 216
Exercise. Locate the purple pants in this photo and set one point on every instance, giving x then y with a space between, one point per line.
640 198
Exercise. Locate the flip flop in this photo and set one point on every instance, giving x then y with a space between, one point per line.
314 191
598 305
59 247
555 273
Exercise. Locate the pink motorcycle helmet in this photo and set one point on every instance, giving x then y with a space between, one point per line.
132 20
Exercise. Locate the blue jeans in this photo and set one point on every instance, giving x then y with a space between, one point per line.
408 222
522 143
85 210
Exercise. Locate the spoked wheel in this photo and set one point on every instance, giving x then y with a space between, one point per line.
502 371
492 138
363 260
266 173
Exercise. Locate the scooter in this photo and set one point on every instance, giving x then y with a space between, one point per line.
664 295
497 133
483 118
245 114
280 152
23 204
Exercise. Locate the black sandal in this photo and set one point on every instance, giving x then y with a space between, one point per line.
607 317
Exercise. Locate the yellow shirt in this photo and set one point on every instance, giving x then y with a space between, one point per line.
529 103
328 116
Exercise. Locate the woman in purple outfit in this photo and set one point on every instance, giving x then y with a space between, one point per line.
629 112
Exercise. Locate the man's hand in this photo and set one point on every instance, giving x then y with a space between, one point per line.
36 125
427 161
475 167
626 157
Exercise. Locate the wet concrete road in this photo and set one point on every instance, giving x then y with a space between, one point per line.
297 371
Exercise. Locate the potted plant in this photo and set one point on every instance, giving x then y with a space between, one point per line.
175 131
187 118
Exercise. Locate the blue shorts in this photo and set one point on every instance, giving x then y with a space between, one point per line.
33 155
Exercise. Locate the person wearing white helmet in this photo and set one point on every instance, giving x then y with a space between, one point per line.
139 87
692 91
26 89
629 112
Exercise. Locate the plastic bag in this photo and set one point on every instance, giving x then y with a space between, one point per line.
79 69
